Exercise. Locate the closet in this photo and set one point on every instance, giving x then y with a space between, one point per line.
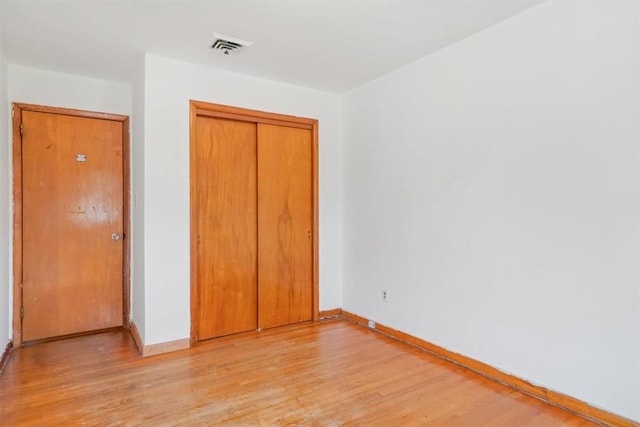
253 220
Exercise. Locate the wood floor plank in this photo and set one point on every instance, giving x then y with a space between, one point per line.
328 373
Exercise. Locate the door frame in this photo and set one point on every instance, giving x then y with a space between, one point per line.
16 113
201 108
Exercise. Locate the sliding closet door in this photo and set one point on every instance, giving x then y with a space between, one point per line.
285 225
225 201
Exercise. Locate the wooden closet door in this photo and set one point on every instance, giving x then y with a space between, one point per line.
285 218
225 199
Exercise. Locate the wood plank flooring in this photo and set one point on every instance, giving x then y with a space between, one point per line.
327 373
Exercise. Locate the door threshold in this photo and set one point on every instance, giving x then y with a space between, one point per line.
76 335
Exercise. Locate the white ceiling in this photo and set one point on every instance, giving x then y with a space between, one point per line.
332 45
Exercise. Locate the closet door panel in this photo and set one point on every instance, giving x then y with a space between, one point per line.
225 186
285 218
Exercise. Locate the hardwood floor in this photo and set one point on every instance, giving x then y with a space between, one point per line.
327 373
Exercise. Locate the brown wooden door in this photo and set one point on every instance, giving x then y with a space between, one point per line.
225 202
285 231
72 203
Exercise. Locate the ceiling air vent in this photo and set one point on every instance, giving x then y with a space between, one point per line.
227 44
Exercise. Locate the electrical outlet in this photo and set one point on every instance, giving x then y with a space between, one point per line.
385 295
372 324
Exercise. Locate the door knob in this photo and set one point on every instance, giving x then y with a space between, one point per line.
115 236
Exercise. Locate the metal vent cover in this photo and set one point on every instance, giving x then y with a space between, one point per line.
227 44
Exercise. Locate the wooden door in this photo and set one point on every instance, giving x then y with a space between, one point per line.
285 225
72 224
224 194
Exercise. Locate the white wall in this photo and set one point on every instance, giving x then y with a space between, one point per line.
34 86
5 207
492 189
169 87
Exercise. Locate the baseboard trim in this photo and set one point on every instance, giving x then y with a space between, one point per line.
555 398
135 334
166 347
5 355
328 314
160 348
